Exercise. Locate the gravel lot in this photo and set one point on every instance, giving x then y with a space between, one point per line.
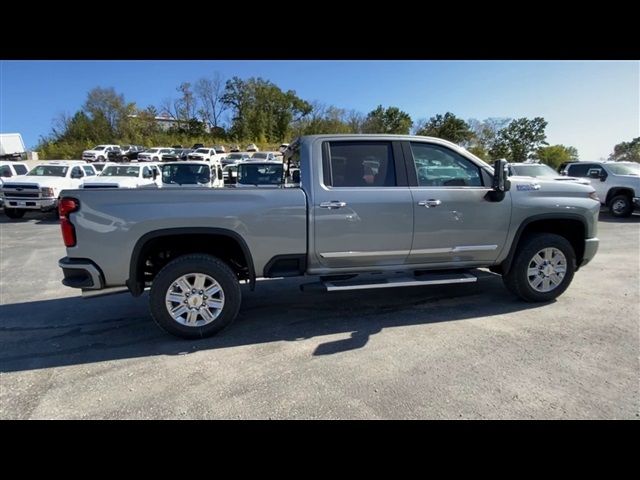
469 351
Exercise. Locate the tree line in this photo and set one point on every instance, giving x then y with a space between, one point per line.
256 110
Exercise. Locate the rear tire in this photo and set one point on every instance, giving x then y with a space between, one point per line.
620 206
14 213
168 285
532 274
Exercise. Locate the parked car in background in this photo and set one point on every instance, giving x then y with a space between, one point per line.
234 148
540 170
265 156
283 147
260 174
202 154
220 149
38 190
191 174
252 148
153 154
126 175
125 153
196 146
10 170
616 183
99 153
175 155
235 157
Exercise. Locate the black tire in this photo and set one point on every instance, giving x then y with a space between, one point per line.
516 279
195 263
620 206
124 159
100 158
14 213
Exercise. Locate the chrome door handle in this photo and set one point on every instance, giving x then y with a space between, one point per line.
429 203
333 204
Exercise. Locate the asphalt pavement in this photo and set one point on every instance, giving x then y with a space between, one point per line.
461 352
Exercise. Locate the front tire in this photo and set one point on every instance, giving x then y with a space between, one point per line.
620 206
14 213
195 296
542 269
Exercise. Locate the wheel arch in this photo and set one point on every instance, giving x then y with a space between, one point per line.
230 248
573 227
615 191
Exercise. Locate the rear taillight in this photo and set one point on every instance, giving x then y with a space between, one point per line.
65 207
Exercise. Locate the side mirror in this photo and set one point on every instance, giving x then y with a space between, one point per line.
295 176
501 184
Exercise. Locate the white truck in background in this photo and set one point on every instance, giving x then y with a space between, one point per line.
12 147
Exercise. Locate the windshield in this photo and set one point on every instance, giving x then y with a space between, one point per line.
235 156
202 150
49 171
260 156
99 147
260 174
624 168
112 171
537 170
186 174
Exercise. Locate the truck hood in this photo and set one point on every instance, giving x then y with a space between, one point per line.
53 182
122 182
549 185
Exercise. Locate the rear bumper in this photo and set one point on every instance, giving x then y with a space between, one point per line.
590 249
81 273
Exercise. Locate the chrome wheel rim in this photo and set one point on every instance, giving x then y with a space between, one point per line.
547 269
194 300
619 206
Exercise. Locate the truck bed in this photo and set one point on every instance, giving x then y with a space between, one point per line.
108 225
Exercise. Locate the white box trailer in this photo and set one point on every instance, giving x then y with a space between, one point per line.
11 146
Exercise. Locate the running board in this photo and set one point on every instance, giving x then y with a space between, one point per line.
390 282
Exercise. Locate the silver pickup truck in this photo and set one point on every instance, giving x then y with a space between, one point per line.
372 211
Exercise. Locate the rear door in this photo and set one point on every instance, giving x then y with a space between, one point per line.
453 221
363 213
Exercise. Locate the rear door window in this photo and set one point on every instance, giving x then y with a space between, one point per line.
360 164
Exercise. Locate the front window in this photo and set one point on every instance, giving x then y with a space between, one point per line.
120 171
99 148
624 168
260 174
438 166
89 171
537 170
185 174
49 171
202 150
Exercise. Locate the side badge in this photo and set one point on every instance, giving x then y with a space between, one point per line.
528 186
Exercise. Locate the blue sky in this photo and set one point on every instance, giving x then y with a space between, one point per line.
591 105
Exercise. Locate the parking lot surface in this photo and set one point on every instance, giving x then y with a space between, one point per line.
465 351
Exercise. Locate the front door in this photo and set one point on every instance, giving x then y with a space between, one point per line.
363 213
453 221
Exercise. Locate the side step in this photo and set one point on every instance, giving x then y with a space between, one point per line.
370 281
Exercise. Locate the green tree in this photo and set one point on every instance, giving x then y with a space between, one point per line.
448 127
387 120
485 134
261 110
554 155
520 139
108 112
627 151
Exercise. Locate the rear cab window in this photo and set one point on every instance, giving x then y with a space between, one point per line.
359 164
